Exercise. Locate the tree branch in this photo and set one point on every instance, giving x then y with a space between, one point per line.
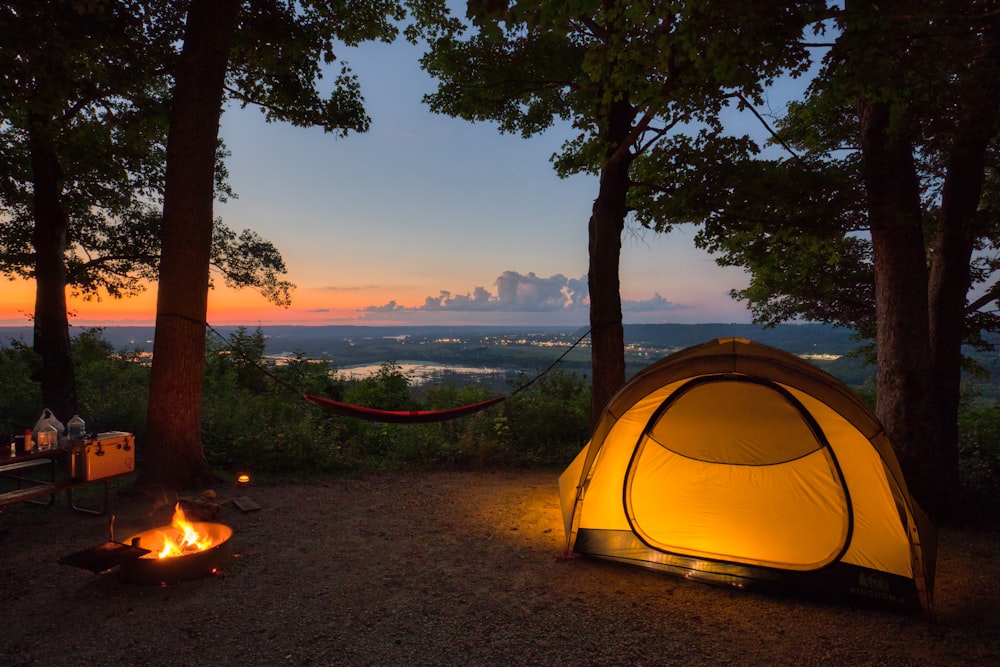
248 100
774 135
987 297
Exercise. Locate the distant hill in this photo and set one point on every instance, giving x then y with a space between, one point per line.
514 347
794 338
495 346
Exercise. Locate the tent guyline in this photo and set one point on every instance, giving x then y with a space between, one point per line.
376 414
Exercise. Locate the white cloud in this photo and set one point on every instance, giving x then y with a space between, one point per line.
529 293
515 293
655 302
390 307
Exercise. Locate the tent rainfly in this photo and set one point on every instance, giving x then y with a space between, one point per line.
736 463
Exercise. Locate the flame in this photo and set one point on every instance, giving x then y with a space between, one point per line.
186 539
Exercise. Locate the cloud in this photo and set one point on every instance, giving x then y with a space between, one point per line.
655 302
516 292
390 307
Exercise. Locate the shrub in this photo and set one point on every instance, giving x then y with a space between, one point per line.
979 460
549 423
253 415
20 393
112 386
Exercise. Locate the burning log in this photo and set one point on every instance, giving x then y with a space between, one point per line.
179 552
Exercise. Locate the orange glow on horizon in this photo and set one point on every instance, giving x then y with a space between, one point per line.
226 307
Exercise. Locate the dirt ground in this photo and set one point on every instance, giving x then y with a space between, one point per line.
442 569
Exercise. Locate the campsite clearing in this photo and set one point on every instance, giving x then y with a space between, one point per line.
448 568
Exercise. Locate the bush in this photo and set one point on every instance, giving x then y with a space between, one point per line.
20 394
979 461
112 386
549 423
542 426
254 417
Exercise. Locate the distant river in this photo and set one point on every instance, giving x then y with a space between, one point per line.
420 372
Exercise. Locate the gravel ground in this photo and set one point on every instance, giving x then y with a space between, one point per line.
442 569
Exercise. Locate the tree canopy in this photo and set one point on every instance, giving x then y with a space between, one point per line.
84 101
109 100
882 217
628 77
255 52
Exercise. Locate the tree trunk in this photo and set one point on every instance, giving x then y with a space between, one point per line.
174 456
51 325
902 336
947 290
607 221
951 255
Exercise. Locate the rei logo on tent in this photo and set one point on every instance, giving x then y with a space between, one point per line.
873 582
736 463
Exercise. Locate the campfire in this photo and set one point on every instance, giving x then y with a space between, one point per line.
181 551
180 538
186 549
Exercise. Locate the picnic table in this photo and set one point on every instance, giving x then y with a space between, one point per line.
39 476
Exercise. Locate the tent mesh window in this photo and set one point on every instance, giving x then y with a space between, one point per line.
753 478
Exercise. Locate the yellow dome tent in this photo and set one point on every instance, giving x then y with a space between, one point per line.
736 463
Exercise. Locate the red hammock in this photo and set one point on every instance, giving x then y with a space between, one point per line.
400 416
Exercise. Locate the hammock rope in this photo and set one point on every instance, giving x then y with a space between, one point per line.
400 416
389 416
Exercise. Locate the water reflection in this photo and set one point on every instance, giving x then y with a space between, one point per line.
423 372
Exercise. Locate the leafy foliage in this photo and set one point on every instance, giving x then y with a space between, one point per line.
799 223
627 77
281 50
113 385
82 79
526 65
979 461
20 394
254 422
94 79
252 419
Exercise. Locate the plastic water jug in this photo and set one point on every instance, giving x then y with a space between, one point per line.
76 428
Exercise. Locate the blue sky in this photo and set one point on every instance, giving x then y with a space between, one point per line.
427 219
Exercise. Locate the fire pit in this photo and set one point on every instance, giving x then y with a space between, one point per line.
179 552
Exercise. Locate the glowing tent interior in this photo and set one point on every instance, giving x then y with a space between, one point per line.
736 463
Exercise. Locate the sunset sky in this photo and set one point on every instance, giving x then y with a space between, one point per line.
425 219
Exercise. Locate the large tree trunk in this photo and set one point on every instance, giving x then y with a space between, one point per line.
51 325
607 221
901 305
951 255
947 291
174 457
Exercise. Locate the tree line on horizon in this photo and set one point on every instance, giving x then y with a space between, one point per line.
873 206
